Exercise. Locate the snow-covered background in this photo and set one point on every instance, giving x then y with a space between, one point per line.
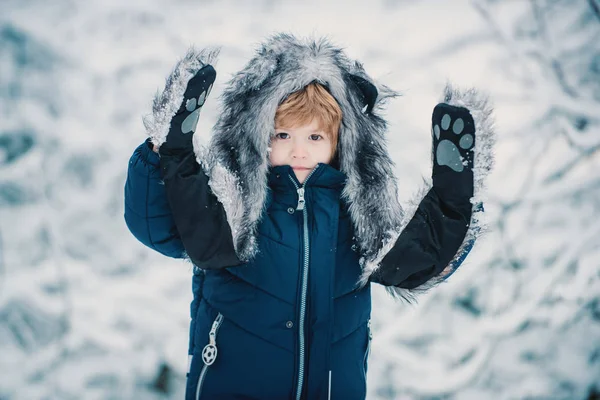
87 312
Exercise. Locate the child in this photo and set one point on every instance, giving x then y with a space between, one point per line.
291 211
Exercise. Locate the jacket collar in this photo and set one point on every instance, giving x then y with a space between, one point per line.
283 179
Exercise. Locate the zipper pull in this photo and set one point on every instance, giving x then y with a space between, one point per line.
209 353
212 335
300 199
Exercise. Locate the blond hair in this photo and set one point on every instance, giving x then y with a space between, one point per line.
313 102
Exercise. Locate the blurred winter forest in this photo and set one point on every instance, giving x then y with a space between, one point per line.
87 312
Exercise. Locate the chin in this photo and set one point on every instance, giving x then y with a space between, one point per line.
301 176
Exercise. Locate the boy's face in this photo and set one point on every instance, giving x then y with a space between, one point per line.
302 148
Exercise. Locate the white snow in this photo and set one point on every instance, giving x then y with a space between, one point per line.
88 312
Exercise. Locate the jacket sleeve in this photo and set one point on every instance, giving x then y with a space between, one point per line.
428 246
147 212
447 221
199 216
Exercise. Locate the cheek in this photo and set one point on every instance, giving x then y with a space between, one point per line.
276 155
324 152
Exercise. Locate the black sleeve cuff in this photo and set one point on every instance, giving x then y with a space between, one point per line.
199 216
426 246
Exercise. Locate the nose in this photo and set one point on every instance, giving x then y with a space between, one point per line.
299 150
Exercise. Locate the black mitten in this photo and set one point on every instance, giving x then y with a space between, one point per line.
453 143
183 124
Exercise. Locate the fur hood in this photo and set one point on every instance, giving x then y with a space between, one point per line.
236 156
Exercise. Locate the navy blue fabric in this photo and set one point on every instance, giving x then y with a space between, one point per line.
260 302
258 340
147 212
258 354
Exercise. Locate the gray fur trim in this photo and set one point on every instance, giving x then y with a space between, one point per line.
411 295
167 102
240 141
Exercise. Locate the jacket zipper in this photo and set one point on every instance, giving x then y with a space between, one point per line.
329 387
301 339
368 351
209 353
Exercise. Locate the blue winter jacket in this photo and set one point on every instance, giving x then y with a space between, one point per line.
256 308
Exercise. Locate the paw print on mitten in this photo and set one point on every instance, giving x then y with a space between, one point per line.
184 122
193 106
453 138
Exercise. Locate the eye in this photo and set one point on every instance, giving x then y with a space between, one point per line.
282 135
315 137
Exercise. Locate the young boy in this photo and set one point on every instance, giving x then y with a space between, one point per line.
291 211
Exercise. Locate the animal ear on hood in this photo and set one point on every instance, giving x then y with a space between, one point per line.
367 90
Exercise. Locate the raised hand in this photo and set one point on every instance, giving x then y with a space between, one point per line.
184 122
453 131
176 109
